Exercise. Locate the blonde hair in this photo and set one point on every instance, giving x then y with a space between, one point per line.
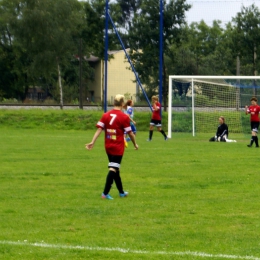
119 100
155 98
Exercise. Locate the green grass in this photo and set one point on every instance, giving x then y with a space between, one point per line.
50 119
186 195
77 119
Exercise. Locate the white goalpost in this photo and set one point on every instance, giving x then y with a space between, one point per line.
205 98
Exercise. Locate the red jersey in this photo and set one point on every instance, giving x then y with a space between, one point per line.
254 112
115 123
156 113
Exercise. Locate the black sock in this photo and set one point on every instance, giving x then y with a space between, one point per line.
118 181
256 141
109 182
252 140
150 134
163 133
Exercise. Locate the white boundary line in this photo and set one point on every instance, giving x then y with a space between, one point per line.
122 250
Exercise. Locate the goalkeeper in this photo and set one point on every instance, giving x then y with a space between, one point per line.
222 132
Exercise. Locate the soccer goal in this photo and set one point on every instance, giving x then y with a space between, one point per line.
196 102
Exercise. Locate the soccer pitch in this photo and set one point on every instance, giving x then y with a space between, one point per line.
188 198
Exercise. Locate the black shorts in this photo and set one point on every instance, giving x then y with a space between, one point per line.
157 123
114 161
254 126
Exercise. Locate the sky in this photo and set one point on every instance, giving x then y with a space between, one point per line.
210 10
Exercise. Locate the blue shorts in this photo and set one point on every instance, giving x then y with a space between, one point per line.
133 127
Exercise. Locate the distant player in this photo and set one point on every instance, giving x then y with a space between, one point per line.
253 110
114 123
128 108
156 118
222 132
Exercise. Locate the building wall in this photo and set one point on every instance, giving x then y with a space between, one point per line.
120 79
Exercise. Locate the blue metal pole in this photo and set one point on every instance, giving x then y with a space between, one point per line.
161 52
106 58
129 60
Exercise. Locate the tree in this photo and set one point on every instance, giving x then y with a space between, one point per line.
48 29
94 26
13 57
127 10
144 39
247 33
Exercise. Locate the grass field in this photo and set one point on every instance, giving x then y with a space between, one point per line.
188 198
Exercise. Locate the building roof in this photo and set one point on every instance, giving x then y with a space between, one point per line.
93 58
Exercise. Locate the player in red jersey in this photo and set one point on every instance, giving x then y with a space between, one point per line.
114 123
156 118
253 110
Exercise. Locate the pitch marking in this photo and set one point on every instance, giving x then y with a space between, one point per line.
122 250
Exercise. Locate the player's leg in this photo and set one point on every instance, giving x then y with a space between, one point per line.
119 184
116 162
223 138
252 135
159 128
133 128
108 184
113 165
256 131
114 175
251 140
151 130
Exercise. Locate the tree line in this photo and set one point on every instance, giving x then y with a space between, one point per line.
43 42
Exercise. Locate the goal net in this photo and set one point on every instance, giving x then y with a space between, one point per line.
196 102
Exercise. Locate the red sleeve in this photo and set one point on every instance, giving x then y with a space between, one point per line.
101 122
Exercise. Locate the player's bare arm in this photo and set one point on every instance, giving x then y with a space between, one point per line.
155 108
246 110
90 145
133 121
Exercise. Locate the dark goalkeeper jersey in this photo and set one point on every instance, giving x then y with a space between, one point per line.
222 130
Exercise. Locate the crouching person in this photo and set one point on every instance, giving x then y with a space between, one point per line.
222 132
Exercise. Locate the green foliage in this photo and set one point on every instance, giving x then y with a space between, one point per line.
186 196
246 38
13 57
93 26
145 50
8 101
37 36
47 29
204 50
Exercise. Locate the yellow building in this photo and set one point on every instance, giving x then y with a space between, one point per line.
120 79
